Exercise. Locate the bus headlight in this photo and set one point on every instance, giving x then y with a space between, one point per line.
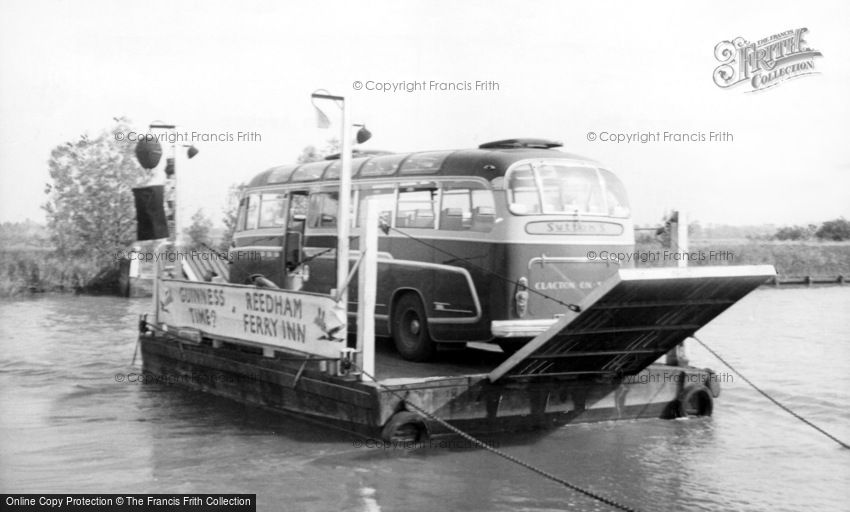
521 297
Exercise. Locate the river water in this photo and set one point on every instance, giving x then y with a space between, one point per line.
66 426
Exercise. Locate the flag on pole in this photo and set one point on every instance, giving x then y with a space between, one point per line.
322 120
150 213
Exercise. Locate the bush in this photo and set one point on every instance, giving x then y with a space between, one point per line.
835 230
790 259
795 233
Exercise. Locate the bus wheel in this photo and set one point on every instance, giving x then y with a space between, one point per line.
410 329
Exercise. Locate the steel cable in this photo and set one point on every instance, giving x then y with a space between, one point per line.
500 453
766 395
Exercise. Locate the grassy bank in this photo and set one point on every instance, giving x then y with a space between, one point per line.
34 270
791 259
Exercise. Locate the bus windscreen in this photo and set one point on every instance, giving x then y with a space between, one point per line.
545 188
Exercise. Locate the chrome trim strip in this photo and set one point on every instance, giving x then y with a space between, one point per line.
520 328
543 259
258 248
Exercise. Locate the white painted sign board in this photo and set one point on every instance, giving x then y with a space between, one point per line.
299 321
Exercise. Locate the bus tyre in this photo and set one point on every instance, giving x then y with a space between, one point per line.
694 400
404 427
410 329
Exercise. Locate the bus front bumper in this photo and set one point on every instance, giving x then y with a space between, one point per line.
520 328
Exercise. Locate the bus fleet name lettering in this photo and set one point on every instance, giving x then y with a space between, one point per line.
573 228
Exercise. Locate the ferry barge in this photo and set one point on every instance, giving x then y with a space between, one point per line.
499 317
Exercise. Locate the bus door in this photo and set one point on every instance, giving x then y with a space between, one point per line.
319 239
292 255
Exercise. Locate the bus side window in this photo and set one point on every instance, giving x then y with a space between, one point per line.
323 210
467 206
456 211
271 210
253 213
483 210
385 195
416 206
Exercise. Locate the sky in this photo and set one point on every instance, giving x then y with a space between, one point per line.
563 69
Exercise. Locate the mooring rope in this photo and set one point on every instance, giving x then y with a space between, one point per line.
496 451
766 395
571 307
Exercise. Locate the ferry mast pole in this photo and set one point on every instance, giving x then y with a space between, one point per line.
344 204
344 222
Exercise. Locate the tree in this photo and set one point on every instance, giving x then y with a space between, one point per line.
231 214
199 231
836 230
90 208
311 154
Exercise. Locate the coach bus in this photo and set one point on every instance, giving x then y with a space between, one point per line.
488 245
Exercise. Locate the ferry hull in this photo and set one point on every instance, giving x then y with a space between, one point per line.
468 401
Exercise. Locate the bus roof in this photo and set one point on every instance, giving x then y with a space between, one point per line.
488 163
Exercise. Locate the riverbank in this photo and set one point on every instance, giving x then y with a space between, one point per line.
791 259
37 270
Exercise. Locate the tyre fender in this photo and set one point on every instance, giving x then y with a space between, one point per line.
405 426
694 400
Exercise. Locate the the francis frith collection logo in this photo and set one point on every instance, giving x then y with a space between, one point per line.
766 63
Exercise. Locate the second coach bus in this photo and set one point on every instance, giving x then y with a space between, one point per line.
488 244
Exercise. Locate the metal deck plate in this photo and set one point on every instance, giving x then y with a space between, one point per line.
631 320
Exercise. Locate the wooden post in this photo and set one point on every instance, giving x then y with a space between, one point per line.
178 219
682 238
157 275
155 298
367 288
679 241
